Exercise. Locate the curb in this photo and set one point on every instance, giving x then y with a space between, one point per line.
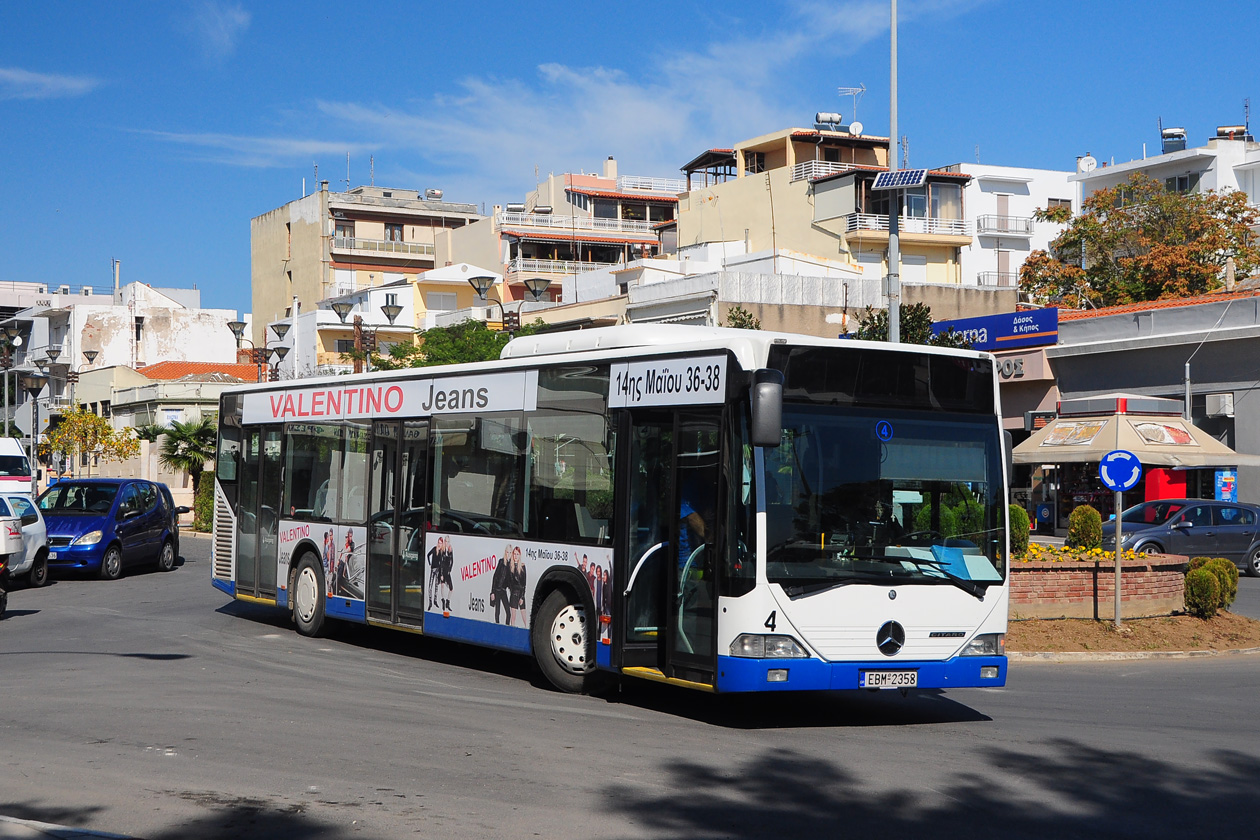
12 827
1125 655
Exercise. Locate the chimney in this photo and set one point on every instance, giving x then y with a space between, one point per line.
610 168
1229 274
323 186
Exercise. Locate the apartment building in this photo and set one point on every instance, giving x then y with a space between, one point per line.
572 222
329 244
1002 200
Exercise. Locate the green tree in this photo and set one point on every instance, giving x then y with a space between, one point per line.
916 327
1140 241
79 432
188 446
150 432
737 317
467 341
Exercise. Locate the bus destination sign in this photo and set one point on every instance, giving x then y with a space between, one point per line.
694 381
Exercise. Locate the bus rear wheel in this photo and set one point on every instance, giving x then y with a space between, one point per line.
563 643
307 593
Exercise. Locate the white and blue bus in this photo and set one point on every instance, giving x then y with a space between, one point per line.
720 509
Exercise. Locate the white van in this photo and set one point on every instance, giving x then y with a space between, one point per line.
15 469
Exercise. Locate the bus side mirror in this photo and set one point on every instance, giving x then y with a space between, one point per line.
767 407
1008 444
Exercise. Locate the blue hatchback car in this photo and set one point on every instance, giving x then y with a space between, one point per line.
101 525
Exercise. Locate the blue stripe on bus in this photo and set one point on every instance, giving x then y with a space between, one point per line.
740 674
282 599
343 608
228 586
486 633
603 656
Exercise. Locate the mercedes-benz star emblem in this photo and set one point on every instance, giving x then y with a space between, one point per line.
890 638
892 594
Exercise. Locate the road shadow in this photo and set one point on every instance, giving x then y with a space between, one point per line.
239 818
1058 789
10 614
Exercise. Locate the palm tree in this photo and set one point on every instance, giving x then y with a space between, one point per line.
187 446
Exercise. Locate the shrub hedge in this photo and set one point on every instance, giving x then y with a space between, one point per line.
203 503
1084 528
1203 593
1227 576
1019 531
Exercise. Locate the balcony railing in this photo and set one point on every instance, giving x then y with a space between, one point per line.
907 224
1005 225
630 183
384 246
998 278
575 223
810 169
566 267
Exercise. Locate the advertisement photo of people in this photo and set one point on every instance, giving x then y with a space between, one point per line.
489 580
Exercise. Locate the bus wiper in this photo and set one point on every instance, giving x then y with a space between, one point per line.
971 587
851 576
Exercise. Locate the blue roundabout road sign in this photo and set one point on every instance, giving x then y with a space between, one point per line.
1120 470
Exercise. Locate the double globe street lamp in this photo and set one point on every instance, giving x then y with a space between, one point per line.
511 321
261 355
364 337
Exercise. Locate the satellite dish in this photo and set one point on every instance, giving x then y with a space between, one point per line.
855 128
1087 164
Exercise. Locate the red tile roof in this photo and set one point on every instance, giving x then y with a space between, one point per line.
1146 306
178 370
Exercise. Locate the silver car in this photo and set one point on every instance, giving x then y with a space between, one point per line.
32 565
1193 527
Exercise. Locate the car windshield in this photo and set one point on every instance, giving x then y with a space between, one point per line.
893 498
78 498
1152 513
14 465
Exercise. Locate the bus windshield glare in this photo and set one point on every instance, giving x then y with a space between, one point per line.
883 497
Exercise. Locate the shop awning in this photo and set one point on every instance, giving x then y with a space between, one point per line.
1157 440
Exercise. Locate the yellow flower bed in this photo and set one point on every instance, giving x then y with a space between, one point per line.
1038 553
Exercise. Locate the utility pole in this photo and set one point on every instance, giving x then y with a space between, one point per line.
894 199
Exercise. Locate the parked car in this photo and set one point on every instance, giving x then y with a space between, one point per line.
1193 527
31 563
103 525
10 548
15 469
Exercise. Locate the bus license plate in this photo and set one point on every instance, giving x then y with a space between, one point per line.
889 679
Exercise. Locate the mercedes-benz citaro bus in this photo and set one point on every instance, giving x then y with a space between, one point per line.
720 509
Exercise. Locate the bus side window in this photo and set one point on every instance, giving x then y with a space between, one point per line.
479 473
740 574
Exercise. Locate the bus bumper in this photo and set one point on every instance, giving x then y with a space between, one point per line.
740 674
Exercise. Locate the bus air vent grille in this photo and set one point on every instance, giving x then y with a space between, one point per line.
224 536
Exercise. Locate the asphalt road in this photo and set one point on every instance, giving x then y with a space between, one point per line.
154 707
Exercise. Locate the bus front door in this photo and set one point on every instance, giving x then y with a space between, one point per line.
396 520
672 472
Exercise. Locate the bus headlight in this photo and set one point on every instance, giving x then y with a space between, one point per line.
90 538
754 646
986 644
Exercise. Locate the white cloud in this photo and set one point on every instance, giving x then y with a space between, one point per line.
217 27
16 83
260 151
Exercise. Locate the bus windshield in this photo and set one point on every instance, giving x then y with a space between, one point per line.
884 497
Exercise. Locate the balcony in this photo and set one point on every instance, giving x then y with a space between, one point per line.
572 223
521 268
354 245
638 183
907 225
811 169
1004 226
1000 279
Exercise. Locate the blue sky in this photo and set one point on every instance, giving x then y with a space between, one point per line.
152 132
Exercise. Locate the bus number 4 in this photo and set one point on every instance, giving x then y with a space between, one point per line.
770 622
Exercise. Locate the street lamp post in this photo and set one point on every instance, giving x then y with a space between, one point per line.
258 355
34 383
12 340
537 287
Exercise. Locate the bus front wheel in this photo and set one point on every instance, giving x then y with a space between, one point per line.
307 592
562 642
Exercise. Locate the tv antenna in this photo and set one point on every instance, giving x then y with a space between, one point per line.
856 93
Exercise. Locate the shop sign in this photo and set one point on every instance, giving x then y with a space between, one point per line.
1227 485
1029 328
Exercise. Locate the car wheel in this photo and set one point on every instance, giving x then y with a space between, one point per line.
1149 548
166 560
111 563
1253 563
38 575
563 643
307 592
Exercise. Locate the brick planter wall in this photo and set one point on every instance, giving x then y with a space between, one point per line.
1149 586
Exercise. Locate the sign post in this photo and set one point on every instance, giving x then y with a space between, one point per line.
1119 470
